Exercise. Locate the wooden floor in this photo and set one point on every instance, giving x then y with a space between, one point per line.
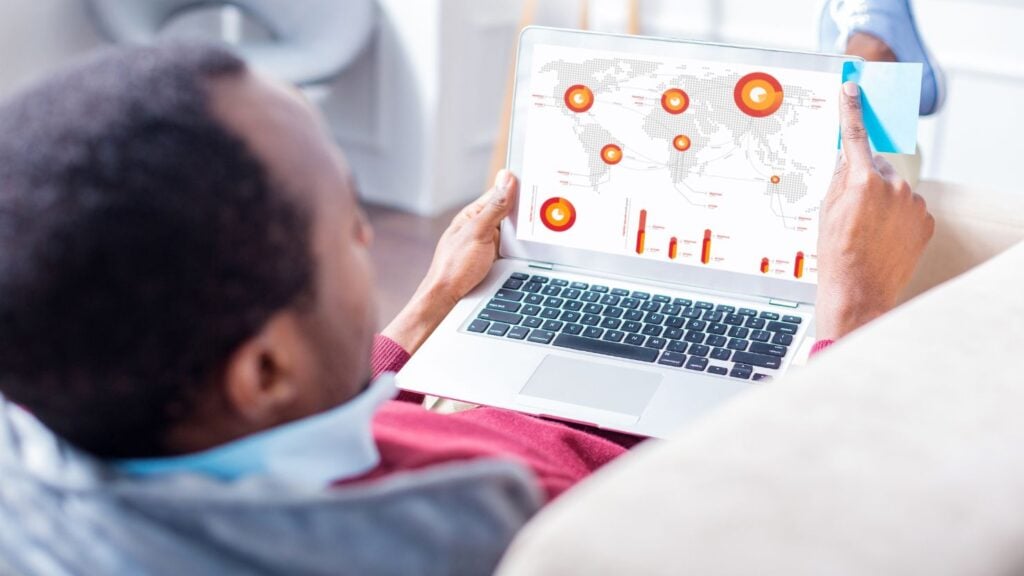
403 245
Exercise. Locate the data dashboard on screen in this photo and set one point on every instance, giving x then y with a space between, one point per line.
700 163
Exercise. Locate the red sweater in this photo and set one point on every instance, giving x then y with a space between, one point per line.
410 437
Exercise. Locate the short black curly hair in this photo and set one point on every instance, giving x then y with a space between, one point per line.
141 242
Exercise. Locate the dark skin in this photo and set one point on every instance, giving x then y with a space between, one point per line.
310 358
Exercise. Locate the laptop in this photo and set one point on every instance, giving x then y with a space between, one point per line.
661 256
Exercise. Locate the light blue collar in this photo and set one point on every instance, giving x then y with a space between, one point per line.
311 452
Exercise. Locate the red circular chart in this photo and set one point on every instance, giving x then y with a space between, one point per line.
758 94
558 214
775 179
579 98
675 101
681 143
611 154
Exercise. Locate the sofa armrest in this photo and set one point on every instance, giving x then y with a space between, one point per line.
898 451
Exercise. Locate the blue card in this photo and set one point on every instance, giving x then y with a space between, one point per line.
890 95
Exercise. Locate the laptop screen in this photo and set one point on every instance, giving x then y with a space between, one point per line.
702 163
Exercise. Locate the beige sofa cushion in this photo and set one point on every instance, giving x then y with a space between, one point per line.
899 451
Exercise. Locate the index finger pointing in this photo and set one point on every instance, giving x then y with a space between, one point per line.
855 137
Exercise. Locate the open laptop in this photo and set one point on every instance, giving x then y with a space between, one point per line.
661 257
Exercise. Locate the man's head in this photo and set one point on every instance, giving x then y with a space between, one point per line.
182 258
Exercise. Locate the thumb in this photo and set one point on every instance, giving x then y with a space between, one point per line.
856 147
498 204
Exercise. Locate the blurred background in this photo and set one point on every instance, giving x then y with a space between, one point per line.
416 91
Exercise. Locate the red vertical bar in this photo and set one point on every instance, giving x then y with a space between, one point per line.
641 232
764 266
673 248
705 250
798 266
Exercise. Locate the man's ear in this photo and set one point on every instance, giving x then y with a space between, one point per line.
262 377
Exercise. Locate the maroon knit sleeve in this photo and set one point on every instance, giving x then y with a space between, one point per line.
389 356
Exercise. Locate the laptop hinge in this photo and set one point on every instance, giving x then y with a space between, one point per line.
784 303
541 265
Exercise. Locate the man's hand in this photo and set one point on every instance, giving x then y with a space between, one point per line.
873 231
464 256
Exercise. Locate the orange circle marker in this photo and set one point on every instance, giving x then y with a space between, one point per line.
758 94
557 214
681 143
579 98
775 179
675 101
611 154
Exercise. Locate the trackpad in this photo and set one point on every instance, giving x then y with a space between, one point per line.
595 392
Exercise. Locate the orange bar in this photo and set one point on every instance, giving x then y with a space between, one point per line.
641 232
705 251
673 248
798 267
764 266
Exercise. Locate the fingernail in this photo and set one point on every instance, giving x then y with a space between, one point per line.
503 181
851 89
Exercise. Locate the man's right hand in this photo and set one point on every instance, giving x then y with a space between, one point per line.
873 231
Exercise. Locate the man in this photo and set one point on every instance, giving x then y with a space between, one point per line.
185 286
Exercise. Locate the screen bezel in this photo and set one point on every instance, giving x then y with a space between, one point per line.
683 274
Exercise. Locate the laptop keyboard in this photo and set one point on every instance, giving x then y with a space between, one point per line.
688 334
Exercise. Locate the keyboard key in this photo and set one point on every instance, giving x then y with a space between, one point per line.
530 310
614 335
574 305
600 289
593 332
631 303
755 323
699 350
694 337
693 313
533 287
713 316
620 292
741 373
682 302
698 325
769 349
540 336
677 346
533 322
738 344
538 278
671 310
498 329
633 315
791 320
735 319
636 339
739 332
550 313
478 325
672 359
769 315
569 316
760 335
552 325
760 360
650 306
673 333
590 320
512 284
704 305
519 276
675 322
513 295
717 329
762 377
661 298
593 308
718 370
652 330
579 285
641 295
613 312
747 312
559 282
720 354
553 302
630 326
499 316
610 300
504 305
657 343
551 290
782 327
783 339
607 348
573 329
611 323
725 308
716 340
518 332
534 299
697 363
571 293
590 297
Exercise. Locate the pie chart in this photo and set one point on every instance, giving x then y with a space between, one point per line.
557 214
758 94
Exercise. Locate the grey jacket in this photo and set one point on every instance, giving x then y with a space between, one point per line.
63 512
